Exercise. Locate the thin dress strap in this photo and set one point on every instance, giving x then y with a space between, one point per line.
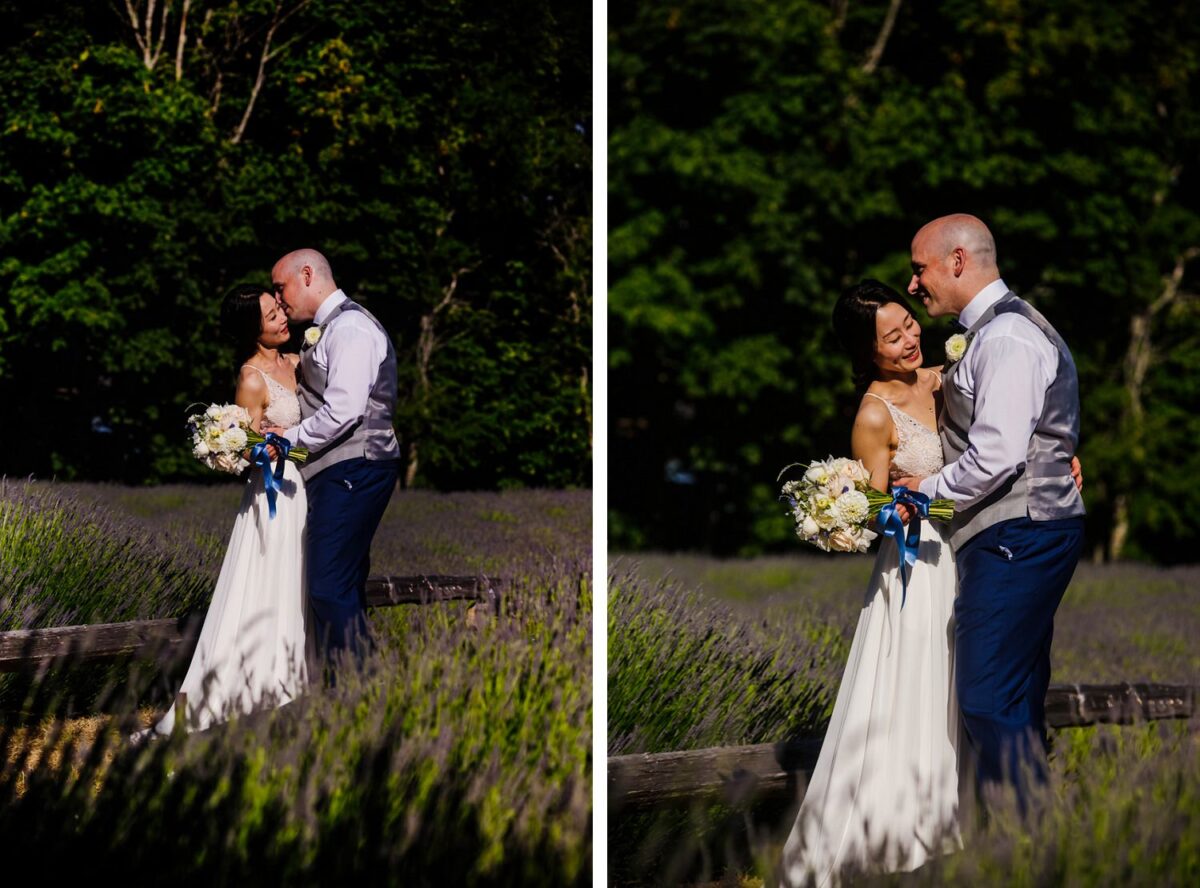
872 394
266 378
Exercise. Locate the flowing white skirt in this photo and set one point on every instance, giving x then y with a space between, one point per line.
253 648
884 793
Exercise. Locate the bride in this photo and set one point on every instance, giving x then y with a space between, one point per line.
884 794
252 648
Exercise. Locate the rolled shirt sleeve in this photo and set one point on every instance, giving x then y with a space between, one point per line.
354 349
1010 374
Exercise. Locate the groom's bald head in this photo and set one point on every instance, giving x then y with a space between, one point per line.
953 258
302 279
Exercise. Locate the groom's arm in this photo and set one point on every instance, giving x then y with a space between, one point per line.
354 352
1011 376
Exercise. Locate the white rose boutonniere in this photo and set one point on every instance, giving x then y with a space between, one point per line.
956 347
312 334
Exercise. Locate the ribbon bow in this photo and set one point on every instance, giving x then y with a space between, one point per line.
272 480
893 526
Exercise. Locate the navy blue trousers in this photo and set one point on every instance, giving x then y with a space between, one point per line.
345 504
1011 578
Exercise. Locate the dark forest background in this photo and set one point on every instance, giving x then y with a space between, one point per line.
764 155
154 153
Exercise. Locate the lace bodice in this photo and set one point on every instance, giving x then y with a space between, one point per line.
919 453
283 409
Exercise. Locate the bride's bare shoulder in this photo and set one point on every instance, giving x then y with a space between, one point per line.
873 415
251 384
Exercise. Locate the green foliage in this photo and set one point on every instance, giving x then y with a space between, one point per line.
426 149
758 166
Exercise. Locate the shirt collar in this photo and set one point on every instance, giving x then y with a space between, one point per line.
332 301
982 301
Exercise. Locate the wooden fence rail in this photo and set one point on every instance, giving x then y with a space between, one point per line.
37 648
741 775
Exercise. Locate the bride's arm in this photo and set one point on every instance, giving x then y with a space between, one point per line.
870 441
252 394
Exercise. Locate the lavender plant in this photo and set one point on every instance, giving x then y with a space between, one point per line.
1125 801
459 755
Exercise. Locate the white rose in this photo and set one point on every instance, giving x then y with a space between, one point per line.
234 414
228 462
214 411
841 541
956 347
851 508
809 527
233 439
312 334
201 450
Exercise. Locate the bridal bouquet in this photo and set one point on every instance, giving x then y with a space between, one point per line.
221 434
834 504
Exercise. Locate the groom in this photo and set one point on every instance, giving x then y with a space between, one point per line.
347 395
1009 426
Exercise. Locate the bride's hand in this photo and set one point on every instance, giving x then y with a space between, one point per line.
905 512
1077 472
272 450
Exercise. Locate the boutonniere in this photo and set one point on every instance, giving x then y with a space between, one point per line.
311 335
956 347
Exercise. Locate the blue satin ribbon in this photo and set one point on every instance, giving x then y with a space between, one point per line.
272 479
893 526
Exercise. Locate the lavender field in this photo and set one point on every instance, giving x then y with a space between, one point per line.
706 652
460 754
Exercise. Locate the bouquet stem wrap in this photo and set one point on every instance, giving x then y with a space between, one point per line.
907 544
272 479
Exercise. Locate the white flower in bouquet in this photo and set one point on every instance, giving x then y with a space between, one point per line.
233 439
200 450
841 541
213 411
851 508
808 527
228 462
235 415
817 473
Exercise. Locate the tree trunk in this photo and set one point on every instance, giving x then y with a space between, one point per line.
182 41
881 41
427 344
1138 358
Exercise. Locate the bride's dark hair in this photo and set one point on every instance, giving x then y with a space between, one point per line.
854 324
241 320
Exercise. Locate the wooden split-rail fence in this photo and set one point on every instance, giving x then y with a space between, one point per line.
746 775
28 649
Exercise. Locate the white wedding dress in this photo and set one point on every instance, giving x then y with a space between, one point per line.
884 793
253 647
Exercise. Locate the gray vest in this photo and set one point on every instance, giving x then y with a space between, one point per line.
1043 487
372 436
